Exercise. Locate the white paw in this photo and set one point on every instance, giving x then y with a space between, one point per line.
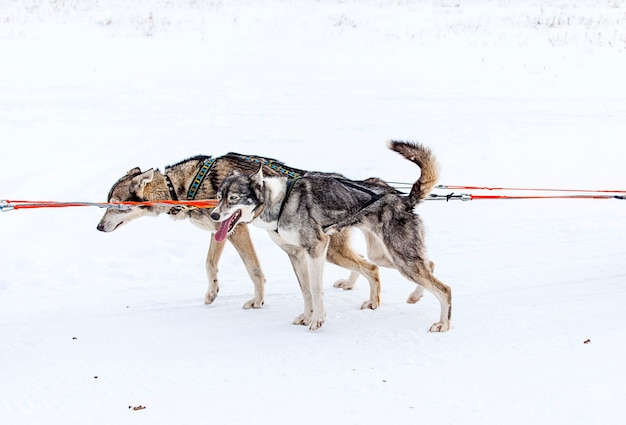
413 298
302 320
372 305
317 320
253 303
210 297
344 284
416 295
440 327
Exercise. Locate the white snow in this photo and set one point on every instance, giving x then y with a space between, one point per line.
528 93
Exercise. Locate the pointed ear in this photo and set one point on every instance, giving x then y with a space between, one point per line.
133 171
258 176
140 181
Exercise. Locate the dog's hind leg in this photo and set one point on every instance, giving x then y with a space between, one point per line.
340 253
444 295
376 251
419 271
347 284
418 293
240 238
343 237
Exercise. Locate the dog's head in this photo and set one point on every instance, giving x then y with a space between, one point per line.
131 188
240 199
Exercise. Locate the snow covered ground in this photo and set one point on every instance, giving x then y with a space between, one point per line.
516 94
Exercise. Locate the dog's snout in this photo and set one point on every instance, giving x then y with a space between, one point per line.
100 227
215 216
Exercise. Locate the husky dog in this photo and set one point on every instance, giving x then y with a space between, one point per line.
198 178
301 214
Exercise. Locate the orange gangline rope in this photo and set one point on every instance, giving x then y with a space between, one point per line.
7 205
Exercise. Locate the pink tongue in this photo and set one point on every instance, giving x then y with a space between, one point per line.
222 232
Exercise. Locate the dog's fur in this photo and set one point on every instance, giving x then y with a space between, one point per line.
301 216
152 185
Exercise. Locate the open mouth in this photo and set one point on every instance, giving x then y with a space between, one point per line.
227 226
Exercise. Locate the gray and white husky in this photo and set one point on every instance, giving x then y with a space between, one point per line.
198 178
301 214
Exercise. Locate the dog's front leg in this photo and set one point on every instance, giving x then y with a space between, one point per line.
212 259
300 267
316 270
240 238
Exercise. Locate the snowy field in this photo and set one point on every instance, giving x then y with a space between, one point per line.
527 93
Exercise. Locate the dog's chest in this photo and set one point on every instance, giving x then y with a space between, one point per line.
290 236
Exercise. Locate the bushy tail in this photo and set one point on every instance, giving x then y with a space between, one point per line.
425 159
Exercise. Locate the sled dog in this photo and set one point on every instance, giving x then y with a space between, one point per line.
198 178
303 213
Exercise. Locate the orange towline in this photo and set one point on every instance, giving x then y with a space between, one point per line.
7 205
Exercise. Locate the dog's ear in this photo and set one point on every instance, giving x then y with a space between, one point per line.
133 171
258 176
140 181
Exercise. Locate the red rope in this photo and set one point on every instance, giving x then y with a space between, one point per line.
17 205
453 187
6 205
491 197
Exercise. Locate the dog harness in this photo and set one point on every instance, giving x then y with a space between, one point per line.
200 175
291 172
193 188
205 169
374 197
170 187
290 185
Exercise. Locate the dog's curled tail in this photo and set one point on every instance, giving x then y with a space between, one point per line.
425 159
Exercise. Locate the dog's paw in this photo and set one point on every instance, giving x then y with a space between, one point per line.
440 327
302 320
369 304
316 322
344 284
413 298
210 297
416 295
253 303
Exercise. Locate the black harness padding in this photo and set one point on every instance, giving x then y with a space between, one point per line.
170 187
373 195
290 184
271 163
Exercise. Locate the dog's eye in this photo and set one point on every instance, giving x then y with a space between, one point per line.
233 198
219 196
